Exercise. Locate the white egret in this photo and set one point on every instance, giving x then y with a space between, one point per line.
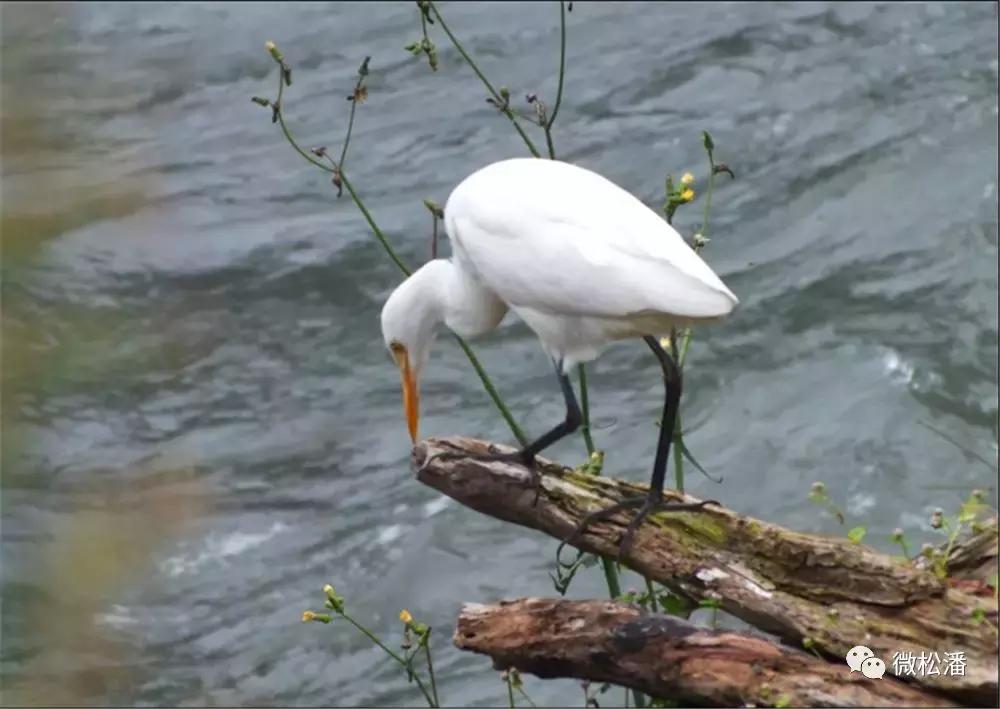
581 261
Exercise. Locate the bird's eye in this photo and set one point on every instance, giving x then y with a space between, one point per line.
396 346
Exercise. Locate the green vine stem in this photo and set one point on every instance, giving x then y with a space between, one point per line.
403 663
699 242
500 101
426 642
585 411
356 97
562 73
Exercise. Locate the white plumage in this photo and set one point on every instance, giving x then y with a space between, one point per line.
579 259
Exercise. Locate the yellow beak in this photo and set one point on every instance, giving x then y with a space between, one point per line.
411 396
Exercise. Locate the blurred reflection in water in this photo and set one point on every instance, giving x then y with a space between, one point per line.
85 540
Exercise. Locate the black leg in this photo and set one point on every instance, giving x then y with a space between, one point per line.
569 424
671 402
654 499
526 456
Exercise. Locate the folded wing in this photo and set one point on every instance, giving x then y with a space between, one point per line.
561 239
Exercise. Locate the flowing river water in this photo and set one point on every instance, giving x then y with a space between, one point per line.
202 426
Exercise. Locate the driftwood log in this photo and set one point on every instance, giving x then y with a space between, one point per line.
825 592
665 656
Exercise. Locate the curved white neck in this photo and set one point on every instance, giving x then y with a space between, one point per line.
438 292
471 309
442 291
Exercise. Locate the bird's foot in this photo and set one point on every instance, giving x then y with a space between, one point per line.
522 458
647 504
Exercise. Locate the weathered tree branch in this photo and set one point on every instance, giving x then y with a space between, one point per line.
797 586
975 557
664 656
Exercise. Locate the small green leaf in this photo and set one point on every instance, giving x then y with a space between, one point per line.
593 465
969 510
707 140
674 605
661 703
856 534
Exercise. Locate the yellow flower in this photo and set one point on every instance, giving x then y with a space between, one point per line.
665 343
307 616
687 195
271 46
404 615
328 589
687 179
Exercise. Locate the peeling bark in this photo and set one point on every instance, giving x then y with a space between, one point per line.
664 656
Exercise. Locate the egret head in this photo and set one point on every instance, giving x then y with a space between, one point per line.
411 318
